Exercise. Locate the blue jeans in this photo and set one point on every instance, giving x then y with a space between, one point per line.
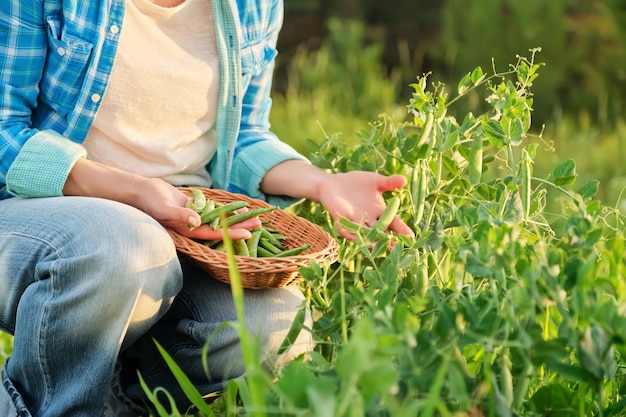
85 286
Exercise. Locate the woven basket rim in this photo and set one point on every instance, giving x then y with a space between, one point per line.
261 272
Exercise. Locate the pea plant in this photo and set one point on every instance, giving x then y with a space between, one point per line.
499 306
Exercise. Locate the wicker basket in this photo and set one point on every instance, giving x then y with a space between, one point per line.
266 272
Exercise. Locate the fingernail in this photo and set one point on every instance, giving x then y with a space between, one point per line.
193 221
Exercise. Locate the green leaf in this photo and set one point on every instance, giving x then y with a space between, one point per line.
590 189
595 352
477 75
465 84
553 400
295 379
545 351
380 378
435 240
322 397
565 173
294 330
494 133
515 132
476 267
513 210
572 373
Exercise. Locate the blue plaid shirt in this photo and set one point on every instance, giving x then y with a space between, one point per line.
56 57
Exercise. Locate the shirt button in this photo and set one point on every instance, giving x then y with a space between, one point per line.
96 97
61 50
114 29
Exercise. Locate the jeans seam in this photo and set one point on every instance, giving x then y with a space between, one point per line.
45 320
190 305
45 369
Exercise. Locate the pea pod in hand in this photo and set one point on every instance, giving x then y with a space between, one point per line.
387 216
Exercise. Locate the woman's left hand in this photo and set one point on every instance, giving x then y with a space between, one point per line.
355 195
358 196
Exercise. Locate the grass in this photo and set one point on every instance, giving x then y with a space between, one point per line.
6 345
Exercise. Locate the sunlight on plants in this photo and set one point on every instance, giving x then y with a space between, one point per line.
508 302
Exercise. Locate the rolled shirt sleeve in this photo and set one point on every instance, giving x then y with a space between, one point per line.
43 164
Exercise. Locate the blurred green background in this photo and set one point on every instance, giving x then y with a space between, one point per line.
343 62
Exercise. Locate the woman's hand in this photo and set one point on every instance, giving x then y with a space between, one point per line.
166 204
157 198
357 195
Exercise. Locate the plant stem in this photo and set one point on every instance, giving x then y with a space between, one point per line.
344 321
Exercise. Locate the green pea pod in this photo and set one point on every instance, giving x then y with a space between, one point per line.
264 253
239 217
226 208
220 246
215 223
267 245
253 242
209 205
279 237
419 189
507 379
526 181
294 251
424 136
271 236
212 243
428 126
294 331
353 227
476 160
199 199
422 279
385 219
241 248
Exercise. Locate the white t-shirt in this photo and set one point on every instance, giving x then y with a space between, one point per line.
158 115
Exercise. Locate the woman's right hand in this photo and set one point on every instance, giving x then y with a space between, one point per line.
166 204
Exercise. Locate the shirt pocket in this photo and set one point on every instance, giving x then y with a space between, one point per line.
66 65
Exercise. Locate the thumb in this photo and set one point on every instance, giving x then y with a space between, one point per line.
391 182
190 217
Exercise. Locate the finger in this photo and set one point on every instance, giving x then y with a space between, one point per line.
400 227
249 224
391 182
344 233
189 217
237 234
205 232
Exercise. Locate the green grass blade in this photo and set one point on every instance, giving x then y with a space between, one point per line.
186 385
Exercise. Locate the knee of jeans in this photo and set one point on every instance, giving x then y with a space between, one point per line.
129 243
270 324
126 255
269 315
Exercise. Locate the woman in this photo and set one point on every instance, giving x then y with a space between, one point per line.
107 106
